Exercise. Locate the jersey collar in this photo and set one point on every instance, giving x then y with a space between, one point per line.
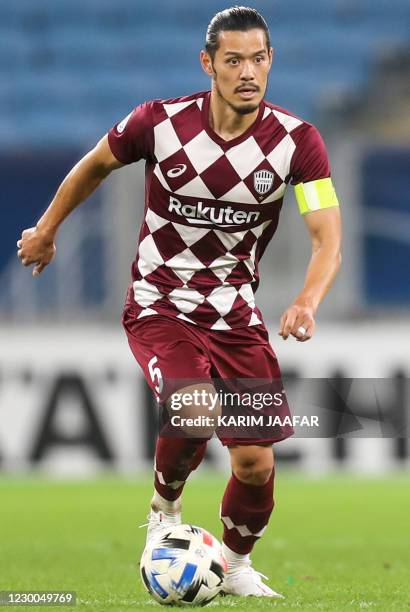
221 141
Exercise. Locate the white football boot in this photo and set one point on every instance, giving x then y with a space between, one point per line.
159 522
244 580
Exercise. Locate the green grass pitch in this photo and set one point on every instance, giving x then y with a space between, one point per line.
333 544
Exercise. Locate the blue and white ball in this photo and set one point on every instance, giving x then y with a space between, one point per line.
184 566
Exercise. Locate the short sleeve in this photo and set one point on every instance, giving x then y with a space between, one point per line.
132 138
310 160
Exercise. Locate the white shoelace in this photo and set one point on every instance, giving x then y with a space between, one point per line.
153 520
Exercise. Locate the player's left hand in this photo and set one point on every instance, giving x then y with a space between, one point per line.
297 321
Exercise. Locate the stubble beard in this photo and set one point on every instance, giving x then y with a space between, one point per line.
240 110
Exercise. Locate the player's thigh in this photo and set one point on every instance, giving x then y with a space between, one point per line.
176 365
244 353
170 354
245 362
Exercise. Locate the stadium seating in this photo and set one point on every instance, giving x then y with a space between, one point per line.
83 63
69 69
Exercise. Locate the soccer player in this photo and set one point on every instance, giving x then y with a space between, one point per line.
217 166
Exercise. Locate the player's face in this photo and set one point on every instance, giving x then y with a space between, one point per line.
240 69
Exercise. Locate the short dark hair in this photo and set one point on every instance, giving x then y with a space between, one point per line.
237 18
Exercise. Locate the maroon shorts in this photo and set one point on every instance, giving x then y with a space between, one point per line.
174 354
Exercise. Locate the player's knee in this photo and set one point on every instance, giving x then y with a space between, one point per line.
253 474
194 411
253 469
262 475
252 465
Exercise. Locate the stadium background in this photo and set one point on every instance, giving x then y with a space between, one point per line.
72 401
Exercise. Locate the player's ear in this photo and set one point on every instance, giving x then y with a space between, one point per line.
206 63
271 55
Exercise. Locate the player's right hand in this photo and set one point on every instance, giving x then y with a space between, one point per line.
35 247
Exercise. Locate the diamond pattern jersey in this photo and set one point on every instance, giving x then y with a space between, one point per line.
211 206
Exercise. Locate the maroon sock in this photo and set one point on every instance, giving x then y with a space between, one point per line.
175 459
245 513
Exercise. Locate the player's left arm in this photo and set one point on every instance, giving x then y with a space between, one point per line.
318 203
325 231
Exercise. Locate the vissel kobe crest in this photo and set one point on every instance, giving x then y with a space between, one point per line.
262 181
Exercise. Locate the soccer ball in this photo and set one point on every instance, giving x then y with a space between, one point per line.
184 566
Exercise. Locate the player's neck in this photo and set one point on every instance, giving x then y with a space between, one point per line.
224 121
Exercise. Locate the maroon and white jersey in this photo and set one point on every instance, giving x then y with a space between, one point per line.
211 206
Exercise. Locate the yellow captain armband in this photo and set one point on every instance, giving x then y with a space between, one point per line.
315 195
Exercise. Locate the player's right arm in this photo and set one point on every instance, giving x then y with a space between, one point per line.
36 245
